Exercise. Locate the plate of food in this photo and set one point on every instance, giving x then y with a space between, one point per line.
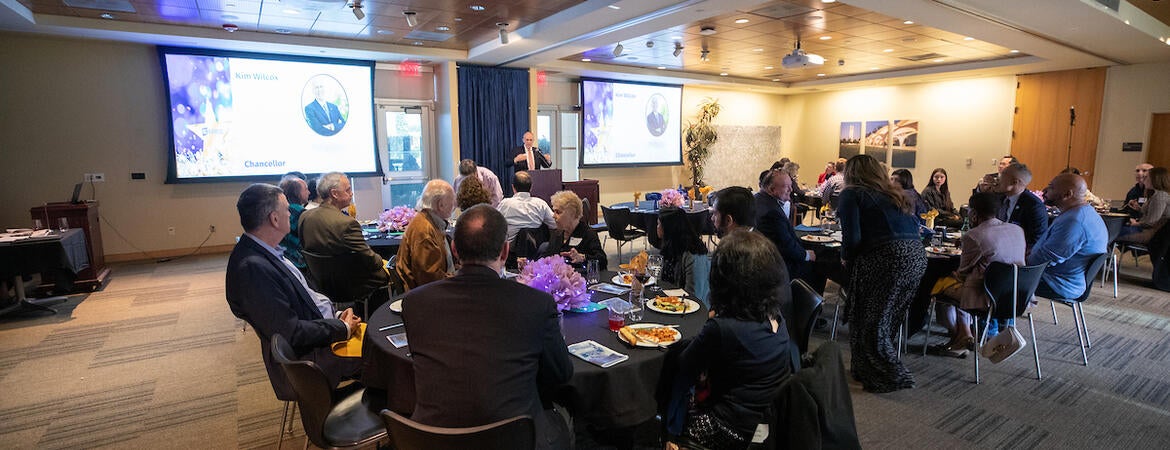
945 251
396 306
625 279
351 348
673 305
649 335
817 238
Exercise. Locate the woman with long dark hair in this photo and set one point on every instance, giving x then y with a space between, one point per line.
937 194
744 347
684 255
902 178
881 248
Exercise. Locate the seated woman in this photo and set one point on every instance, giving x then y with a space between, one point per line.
937 196
904 180
471 193
573 238
684 256
1155 212
989 240
743 349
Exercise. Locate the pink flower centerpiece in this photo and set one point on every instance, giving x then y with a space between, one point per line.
395 219
551 274
671 198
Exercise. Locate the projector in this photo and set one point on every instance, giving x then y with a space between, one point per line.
798 59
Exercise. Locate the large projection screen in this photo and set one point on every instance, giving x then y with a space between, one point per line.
630 124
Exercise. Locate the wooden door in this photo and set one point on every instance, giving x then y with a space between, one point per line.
1040 126
1159 154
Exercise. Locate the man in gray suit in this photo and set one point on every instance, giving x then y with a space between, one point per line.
326 231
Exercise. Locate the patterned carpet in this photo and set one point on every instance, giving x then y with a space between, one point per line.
156 360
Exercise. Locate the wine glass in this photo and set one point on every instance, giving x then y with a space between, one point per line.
654 266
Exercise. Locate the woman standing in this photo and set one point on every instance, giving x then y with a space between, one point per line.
882 249
573 238
743 349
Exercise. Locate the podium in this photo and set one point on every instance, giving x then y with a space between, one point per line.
85 217
545 183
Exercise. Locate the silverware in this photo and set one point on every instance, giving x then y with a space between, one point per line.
391 326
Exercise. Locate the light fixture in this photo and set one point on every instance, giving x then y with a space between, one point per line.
705 55
661 67
291 11
586 60
888 50
477 7
357 10
968 38
908 22
722 74
107 16
617 50
230 28
613 7
828 1
649 44
411 18
757 50
1014 51
742 20
707 30
820 74
442 28
939 60
769 67
825 38
503 29
677 49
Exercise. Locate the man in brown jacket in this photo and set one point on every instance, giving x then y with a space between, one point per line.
425 254
326 231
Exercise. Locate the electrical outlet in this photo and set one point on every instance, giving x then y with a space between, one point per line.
211 228
171 231
95 177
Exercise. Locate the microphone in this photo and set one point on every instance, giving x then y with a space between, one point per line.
1072 115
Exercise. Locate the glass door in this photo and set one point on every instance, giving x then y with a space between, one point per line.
408 152
545 135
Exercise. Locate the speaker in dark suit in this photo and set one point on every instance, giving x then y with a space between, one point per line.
542 160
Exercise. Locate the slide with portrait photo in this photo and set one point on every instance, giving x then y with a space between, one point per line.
629 124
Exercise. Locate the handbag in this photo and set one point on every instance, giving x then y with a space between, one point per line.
1002 346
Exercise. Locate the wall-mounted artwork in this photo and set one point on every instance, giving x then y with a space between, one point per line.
850 142
877 140
904 142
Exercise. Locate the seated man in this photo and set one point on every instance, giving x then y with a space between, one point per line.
1135 198
424 255
988 182
491 183
326 231
734 208
1075 235
483 346
775 189
1020 206
522 210
297 192
267 291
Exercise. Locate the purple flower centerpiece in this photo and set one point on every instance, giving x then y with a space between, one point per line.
551 274
395 219
671 198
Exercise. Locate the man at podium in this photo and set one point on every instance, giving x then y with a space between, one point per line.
524 155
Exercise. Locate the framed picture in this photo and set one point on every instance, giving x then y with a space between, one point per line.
850 139
904 143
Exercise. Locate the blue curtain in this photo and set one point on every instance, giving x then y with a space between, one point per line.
493 115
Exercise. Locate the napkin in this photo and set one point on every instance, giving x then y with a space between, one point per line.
806 228
675 292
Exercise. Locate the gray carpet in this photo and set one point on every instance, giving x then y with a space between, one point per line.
156 360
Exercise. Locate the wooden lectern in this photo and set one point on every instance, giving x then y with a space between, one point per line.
545 183
85 217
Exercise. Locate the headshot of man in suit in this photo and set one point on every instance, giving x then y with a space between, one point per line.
322 113
655 121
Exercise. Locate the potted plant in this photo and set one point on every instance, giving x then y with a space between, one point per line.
699 136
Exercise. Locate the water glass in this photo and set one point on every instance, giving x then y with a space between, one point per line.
654 265
62 224
38 225
592 271
637 306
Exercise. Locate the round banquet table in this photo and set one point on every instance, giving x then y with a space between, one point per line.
645 218
620 396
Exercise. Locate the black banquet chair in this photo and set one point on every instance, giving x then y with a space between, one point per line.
1113 226
517 433
618 220
338 277
1094 264
347 423
806 308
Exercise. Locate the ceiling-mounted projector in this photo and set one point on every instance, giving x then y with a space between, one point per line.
798 59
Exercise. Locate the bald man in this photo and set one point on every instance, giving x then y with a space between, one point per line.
1076 235
528 156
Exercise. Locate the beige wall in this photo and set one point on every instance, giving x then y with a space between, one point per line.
958 120
1132 95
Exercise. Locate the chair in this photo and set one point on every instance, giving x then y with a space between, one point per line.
397 286
806 307
348 423
842 297
1002 282
1113 226
597 227
618 220
526 244
342 278
516 433
1093 264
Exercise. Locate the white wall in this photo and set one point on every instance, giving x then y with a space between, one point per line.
1132 95
958 120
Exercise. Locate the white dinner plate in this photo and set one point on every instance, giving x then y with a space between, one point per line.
945 251
617 279
396 306
644 343
816 238
692 306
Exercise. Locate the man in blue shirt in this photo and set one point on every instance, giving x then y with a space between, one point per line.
1076 235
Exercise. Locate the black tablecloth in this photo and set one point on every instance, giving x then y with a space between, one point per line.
645 218
59 250
620 396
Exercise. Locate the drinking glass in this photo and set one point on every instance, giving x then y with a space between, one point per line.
617 319
592 271
637 305
37 224
654 266
940 233
62 224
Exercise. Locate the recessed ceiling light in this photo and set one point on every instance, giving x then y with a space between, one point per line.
283 31
416 43
873 68
477 7
385 32
614 7
825 38
742 21
1127 22
939 60
888 50
1167 42
968 38
458 19
768 67
722 74
586 60
757 50
820 74
107 16
1014 51
775 79
443 28
291 11
661 67
828 1
908 22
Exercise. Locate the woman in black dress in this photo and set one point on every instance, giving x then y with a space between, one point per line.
881 248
